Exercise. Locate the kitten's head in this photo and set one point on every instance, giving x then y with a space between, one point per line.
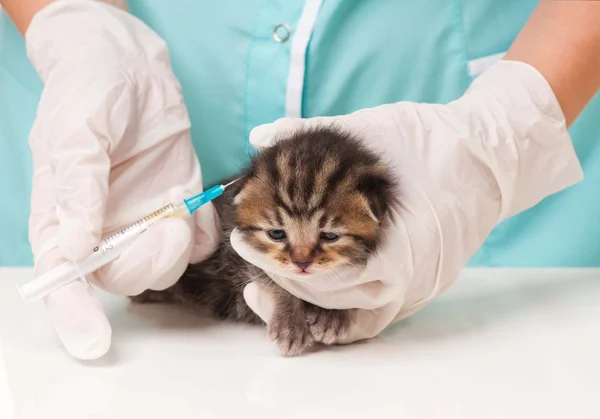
314 201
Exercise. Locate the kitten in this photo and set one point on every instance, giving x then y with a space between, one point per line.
312 203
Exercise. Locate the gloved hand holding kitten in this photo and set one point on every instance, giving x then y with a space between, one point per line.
462 168
110 144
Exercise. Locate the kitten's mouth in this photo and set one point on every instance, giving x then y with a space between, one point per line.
303 272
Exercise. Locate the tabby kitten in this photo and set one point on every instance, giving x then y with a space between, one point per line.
312 203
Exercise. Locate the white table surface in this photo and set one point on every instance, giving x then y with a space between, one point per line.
500 344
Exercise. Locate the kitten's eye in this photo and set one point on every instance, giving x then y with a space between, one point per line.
277 235
330 237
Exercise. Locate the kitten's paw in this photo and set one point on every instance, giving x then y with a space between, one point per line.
328 326
292 336
151 296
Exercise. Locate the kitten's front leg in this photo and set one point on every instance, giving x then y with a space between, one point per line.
328 326
289 327
296 326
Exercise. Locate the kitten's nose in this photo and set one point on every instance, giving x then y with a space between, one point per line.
302 265
302 257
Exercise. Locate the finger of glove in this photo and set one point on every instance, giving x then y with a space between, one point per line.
155 260
81 194
43 221
261 300
266 135
77 315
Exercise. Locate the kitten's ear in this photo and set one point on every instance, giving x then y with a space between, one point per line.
377 187
238 188
237 197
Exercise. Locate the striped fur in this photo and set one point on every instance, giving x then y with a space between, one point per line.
313 186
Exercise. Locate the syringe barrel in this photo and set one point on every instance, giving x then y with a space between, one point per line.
110 248
65 273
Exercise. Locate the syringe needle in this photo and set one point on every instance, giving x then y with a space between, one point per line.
230 183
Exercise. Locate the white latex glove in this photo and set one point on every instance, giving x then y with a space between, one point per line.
463 167
110 144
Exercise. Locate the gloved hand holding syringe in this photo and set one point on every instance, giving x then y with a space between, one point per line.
113 246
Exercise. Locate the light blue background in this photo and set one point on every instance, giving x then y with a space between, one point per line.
361 54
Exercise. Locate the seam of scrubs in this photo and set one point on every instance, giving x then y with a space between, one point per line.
464 52
297 66
246 76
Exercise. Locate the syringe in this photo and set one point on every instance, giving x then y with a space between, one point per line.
112 246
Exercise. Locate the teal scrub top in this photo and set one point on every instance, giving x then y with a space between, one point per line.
361 54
